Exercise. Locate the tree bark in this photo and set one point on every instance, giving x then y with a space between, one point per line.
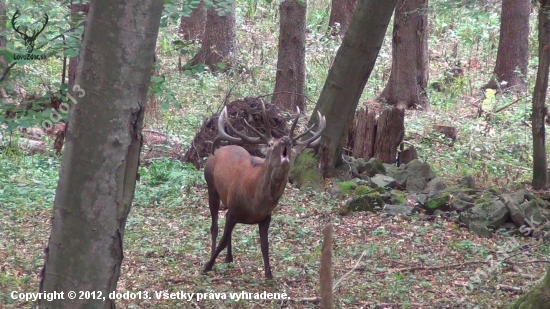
3 62
390 130
364 134
73 61
291 62
348 75
513 46
340 13
540 164
537 298
409 73
192 26
219 41
100 163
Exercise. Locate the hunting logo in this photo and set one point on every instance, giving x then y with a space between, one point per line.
29 35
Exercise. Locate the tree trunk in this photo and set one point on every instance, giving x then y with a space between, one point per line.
409 72
537 298
3 62
75 19
340 13
291 62
100 163
348 75
540 165
513 46
218 50
192 26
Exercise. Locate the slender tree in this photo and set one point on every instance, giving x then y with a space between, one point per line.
513 46
340 13
192 26
291 62
99 166
348 75
3 62
409 72
540 111
219 41
76 9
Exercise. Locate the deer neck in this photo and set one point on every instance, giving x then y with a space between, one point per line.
273 182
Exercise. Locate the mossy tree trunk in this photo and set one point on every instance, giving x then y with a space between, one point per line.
540 164
100 163
513 46
408 80
291 62
537 298
348 75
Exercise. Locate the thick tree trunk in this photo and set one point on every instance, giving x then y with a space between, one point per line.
73 61
409 72
513 46
537 298
192 26
100 163
340 13
291 62
348 75
540 165
219 41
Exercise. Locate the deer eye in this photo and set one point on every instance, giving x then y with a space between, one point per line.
270 144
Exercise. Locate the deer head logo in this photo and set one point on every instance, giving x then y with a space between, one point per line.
29 38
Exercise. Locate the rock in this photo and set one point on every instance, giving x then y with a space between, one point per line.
335 190
391 169
415 183
436 184
489 213
362 190
462 202
362 203
419 168
516 214
383 181
480 230
468 182
437 201
398 209
398 197
400 177
373 167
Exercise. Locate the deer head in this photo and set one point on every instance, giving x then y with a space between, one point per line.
28 38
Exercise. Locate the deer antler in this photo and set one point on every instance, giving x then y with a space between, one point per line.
316 134
35 33
242 138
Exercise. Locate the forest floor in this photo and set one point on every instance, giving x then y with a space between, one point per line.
382 261
379 261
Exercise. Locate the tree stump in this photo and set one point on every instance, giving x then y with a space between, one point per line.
364 133
389 134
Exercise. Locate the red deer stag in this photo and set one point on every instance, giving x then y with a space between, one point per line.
249 186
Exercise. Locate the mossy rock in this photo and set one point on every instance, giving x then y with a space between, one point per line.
398 197
369 202
439 201
363 190
304 173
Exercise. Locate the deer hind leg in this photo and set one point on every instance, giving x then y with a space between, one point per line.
230 223
264 227
214 203
229 256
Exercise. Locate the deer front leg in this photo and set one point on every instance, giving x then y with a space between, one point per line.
264 227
